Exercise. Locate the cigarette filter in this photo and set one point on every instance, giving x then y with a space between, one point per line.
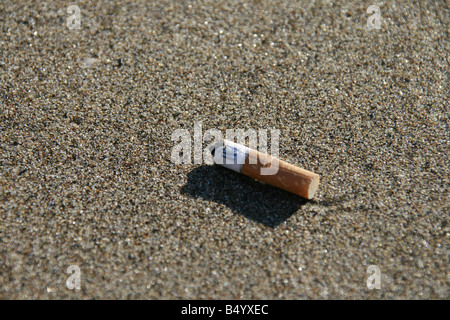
265 168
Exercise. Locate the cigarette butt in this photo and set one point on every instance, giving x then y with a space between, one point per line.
265 168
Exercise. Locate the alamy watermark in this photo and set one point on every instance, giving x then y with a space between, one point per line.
74 281
374 21
374 280
257 140
74 20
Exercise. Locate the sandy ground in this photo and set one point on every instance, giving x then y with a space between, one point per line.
86 177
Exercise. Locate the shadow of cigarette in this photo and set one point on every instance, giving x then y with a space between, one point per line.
252 199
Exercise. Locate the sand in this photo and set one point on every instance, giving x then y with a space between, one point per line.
86 176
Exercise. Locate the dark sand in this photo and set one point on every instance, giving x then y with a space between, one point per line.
86 178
